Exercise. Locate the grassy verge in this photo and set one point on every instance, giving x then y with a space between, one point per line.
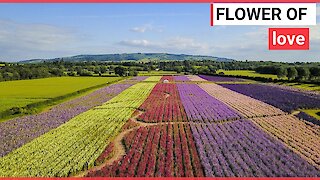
40 106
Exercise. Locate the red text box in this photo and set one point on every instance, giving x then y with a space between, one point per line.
288 38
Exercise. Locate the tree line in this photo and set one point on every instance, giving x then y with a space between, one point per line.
299 73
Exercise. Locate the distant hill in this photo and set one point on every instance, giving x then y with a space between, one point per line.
131 57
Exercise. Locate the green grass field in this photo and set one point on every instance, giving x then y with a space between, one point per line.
309 87
247 73
23 92
313 112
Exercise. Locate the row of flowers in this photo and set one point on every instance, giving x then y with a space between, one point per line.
163 105
286 100
297 135
19 131
240 149
75 145
247 106
157 151
202 107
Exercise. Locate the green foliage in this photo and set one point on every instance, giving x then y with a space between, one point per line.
303 73
281 72
119 70
292 73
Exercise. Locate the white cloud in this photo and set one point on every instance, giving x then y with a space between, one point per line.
136 43
173 45
139 29
27 40
146 27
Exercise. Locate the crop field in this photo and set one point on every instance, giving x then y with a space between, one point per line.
24 92
247 73
169 126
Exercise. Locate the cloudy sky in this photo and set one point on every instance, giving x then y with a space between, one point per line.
56 30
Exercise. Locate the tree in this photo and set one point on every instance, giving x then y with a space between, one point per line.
281 72
292 73
1 77
119 70
178 69
303 73
7 76
103 69
315 72
15 75
56 72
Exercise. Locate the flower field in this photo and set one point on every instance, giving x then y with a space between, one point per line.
189 127
242 149
220 79
76 144
284 99
202 107
161 150
247 106
296 134
19 131
163 105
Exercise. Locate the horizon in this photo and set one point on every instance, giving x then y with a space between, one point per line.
156 53
64 30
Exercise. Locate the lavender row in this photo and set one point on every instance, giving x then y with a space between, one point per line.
200 106
19 131
137 78
220 79
181 78
240 149
307 117
284 99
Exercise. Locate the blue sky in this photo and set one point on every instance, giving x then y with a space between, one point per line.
56 30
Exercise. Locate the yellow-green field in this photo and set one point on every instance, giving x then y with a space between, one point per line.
313 112
309 87
247 73
23 92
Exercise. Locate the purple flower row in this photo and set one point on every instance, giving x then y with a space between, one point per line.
240 149
19 131
307 117
200 106
286 100
138 78
181 78
221 79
